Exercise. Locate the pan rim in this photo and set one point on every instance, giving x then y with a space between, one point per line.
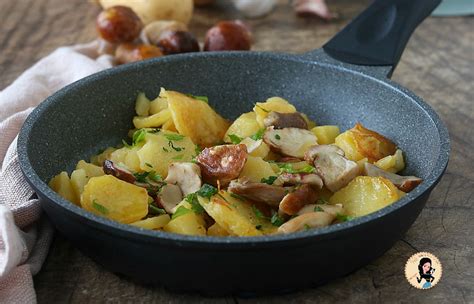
140 234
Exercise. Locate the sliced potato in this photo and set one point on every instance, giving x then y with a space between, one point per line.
195 119
79 179
244 126
366 194
62 185
346 141
99 159
216 230
371 144
115 199
276 104
91 170
142 104
392 163
164 148
255 169
169 125
326 134
236 216
153 223
189 223
256 148
153 121
157 105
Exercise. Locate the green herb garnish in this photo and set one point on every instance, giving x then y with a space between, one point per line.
307 169
207 191
258 213
180 211
138 136
258 135
177 149
258 227
102 209
197 150
277 220
195 206
176 137
344 218
322 201
154 130
277 137
149 165
201 98
318 209
269 180
235 139
154 176
164 149
178 157
306 227
141 176
155 210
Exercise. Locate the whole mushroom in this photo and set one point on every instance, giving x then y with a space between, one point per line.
228 36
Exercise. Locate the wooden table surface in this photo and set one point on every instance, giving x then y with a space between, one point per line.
438 65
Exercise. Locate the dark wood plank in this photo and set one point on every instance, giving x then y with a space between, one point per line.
437 65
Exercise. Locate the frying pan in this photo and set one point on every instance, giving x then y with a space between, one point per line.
341 84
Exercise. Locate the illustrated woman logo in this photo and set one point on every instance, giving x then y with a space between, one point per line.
425 273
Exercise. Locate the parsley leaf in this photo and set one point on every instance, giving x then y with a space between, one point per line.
141 176
306 227
207 191
235 139
318 209
201 98
164 149
176 137
344 218
307 169
154 176
102 209
277 137
258 227
322 201
180 211
177 149
152 209
138 136
269 180
149 165
195 206
258 213
277 220
258 135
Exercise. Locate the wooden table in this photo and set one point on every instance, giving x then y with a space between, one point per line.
438 65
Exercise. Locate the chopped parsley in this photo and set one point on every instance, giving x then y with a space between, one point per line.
258 227
288 168
322 201
193 201
176 137
142 177
258 213
149 165
258 135
138 136
101 208
177 149
152 209
164 149
180 211
318 209
277 137
201 98
207 191
197 150
307 169
154 130
235 139
306 227
344 218
269 180
276 220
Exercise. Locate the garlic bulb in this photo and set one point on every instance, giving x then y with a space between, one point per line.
253 8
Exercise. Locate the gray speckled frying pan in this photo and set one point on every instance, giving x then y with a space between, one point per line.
346 86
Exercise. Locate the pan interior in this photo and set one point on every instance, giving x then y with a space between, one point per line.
96 112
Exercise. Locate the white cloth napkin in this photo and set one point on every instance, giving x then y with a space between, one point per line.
25 235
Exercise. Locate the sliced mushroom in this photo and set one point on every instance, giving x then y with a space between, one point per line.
222 163
258 192
404 183
335 170
313 151
169 197
331 209
294 201
301 178
118 171
307 220
289 141
185 175
285 120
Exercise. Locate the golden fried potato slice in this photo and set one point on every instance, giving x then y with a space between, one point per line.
62 185
195 119
244 126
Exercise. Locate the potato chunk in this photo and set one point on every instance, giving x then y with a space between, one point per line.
91 170
365 194
112 198
186 221
79 180
326 134
275 104
153 223
392 163
62 185
195 119
255 169
236 216
245 125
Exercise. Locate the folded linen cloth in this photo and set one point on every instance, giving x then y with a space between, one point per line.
25 235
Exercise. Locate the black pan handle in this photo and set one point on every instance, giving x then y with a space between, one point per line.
378 36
